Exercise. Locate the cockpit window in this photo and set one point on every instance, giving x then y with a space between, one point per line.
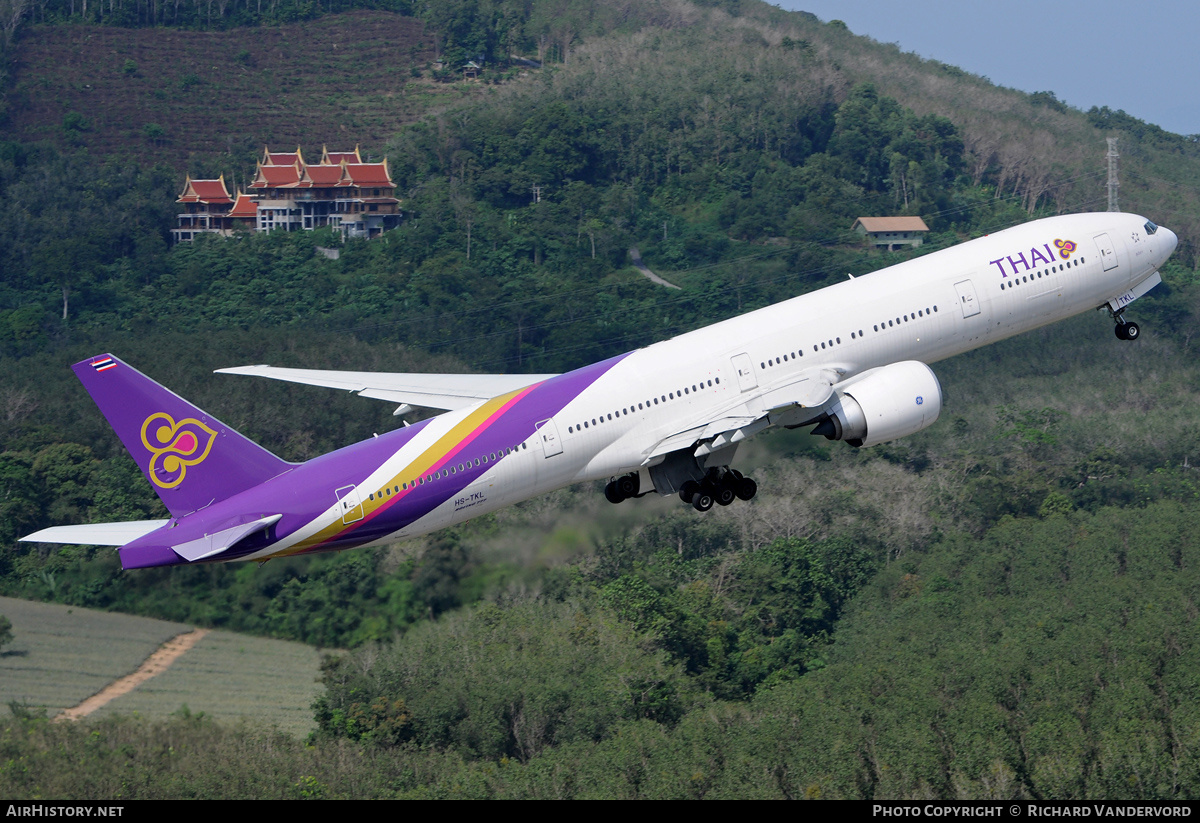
1150 227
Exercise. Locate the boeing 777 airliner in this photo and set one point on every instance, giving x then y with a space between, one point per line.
850 360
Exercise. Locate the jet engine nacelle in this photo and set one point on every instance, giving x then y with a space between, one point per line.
886 403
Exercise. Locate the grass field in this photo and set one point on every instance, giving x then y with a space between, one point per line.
232 676
61 655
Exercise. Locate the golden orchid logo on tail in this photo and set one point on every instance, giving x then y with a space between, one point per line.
175 446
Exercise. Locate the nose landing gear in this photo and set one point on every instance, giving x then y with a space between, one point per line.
1127 329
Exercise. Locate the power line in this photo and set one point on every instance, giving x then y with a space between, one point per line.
819 243
808 275
609 314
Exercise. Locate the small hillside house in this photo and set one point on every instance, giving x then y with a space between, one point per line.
891 231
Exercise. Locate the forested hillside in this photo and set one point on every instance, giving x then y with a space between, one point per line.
1000 606
696 73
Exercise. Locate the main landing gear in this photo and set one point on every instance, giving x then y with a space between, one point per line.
622 488
721 486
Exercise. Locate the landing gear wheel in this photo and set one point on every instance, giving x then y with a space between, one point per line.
627 485
688 490
612 493
1126 329
702 500
726 490
746 488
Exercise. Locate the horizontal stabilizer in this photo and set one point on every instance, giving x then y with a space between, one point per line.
213 544
96 534
430 391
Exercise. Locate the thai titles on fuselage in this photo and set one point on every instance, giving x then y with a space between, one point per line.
1036 256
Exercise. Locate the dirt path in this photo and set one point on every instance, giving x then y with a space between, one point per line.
155 664
636 257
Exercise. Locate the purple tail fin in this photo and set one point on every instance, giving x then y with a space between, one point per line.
190 458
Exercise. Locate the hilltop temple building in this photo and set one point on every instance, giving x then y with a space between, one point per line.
341 192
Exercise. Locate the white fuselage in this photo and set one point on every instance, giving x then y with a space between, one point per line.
926 309
851 360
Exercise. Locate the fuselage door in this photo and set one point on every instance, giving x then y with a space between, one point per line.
744 369
551 443
349 504
966 298
1108 253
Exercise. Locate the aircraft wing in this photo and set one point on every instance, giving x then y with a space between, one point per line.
810 390
96 534
431 391
801 397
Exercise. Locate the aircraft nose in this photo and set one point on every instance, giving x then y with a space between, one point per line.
1167 242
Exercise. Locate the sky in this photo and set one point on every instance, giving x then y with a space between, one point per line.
1143 57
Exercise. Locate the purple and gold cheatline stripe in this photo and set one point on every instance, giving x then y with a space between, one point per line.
416 473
